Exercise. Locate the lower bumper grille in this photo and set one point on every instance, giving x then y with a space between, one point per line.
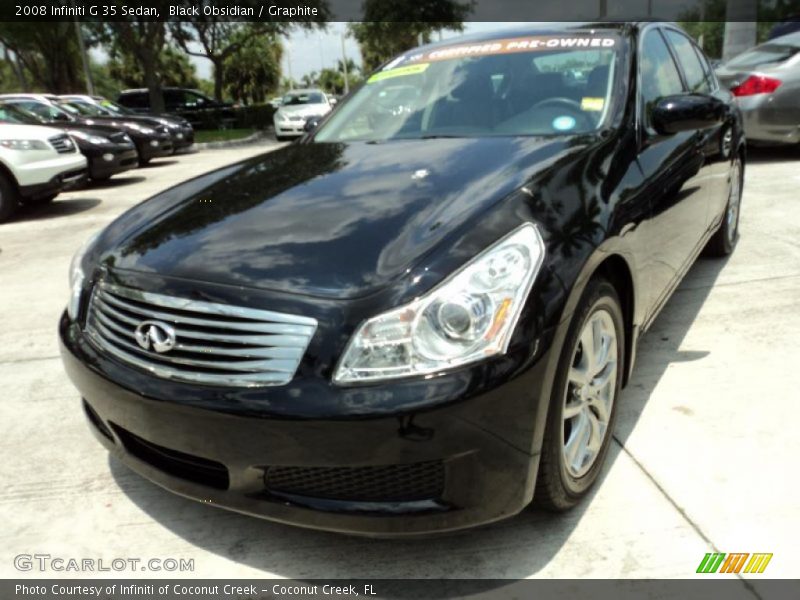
388 483
178 464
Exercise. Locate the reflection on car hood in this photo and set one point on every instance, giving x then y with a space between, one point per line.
325 219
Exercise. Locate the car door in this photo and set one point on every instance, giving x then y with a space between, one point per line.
717 141
674 173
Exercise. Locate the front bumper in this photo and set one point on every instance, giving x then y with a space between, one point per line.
62 181
182 139
107 161
149 148
769 120
32 174
290 128
481 439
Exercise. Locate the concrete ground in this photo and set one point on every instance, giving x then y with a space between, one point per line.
702 459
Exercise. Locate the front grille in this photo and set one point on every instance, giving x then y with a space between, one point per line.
178 464
63 144
215 344
389 483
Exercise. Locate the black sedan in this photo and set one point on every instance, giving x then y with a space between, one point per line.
419 317
100 109
151 142
108 151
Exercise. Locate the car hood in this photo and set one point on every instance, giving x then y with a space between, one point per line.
304 109
326 219
96 129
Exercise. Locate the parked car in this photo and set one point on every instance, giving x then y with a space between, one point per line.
197 108
411 319
36 163
99 108
766 83
150 142
297 107
107 150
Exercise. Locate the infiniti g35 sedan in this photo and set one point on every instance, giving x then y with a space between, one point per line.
417 318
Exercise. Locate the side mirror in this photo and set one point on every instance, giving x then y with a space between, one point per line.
61 117
686 112
311 124
332 101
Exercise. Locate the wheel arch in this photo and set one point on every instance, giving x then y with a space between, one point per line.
5 171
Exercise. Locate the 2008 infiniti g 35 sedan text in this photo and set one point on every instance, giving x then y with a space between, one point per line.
418 317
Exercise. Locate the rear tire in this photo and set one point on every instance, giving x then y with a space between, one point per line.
724 240
9 198
580 420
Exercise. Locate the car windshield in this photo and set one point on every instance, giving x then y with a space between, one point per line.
14 114
303 98
763 55
537 85
115 108
82 108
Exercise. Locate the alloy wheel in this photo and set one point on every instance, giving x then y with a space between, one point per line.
589 398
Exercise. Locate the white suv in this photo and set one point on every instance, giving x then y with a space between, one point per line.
36 163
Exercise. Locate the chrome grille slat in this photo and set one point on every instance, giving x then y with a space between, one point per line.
226 310
266 352
254 340
244 360
62 144
302 330
284 366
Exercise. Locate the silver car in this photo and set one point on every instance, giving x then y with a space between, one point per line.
766 83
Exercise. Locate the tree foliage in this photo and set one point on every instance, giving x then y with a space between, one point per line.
218 40
173 68
143 42
253 72
47 52
393 26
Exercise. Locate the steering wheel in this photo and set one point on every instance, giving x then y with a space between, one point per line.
561 102
565 102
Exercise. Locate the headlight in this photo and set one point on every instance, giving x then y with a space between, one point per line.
23 144
92 139
77 277
467 318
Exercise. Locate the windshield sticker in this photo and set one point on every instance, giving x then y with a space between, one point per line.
399 72
564 123
511 45
593 104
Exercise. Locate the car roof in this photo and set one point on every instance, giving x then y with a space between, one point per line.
40 97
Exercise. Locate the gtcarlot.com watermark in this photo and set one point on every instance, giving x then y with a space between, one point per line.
46 563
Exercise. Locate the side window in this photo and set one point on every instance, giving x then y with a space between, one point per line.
174 98
710 76
658 73
695 74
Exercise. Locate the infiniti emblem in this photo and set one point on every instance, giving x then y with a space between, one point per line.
155 335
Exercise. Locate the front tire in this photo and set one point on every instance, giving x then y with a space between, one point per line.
724 240
9 199
582 411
